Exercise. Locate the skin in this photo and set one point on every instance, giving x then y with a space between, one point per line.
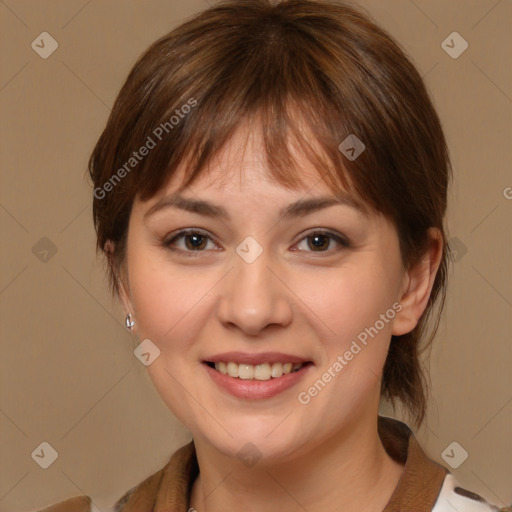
325 455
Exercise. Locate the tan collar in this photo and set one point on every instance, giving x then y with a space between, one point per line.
418 489
422 479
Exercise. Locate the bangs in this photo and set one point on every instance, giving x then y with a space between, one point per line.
290 140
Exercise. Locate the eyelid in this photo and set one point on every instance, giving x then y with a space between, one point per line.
339 238
186 231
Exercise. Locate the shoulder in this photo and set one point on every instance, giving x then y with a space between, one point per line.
454 497
179 471
85 503
75 504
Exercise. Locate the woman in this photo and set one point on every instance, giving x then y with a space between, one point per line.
270 192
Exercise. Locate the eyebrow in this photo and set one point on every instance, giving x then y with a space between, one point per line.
300 208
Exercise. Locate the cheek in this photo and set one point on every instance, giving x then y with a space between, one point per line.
170 303
154 301
347 300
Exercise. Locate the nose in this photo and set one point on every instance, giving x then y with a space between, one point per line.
254 296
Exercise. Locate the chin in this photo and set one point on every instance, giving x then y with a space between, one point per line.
262 440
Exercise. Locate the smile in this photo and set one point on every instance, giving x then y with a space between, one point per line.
258 381
264 371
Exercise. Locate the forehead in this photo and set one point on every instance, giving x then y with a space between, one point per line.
241 165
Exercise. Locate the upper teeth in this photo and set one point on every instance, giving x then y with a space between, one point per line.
264 371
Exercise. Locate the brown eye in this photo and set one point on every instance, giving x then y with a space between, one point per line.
194 241
321 241
318 241
197 241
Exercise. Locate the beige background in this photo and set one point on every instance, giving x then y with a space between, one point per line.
68 374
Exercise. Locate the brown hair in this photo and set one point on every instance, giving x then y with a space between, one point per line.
312 72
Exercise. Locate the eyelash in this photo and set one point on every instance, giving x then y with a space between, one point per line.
342 241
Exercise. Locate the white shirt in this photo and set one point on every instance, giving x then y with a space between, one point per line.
454 498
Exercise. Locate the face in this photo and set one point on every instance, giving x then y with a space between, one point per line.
269 290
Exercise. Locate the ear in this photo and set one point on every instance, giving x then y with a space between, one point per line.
417 285
120 277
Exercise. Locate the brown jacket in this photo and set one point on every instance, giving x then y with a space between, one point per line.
168 489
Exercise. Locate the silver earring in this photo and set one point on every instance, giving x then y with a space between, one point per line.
129 322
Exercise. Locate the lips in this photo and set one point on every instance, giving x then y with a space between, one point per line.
256 376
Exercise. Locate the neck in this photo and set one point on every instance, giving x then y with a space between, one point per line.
349 471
